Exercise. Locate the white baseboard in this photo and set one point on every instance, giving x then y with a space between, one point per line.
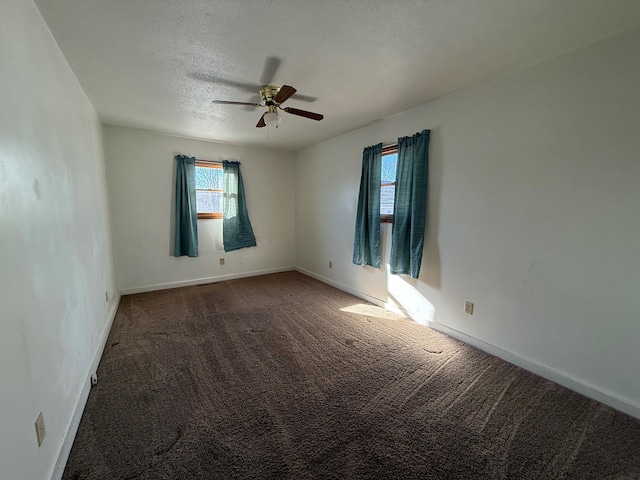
72 429
340 286
577 385
618 402
202 281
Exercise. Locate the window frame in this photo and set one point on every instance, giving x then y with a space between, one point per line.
388 150
208 215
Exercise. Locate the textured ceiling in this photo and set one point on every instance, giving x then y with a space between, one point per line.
157 64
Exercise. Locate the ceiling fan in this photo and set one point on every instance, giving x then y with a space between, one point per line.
272 97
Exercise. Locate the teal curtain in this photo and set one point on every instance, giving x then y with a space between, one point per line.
186 224
366 245
236 226
410 205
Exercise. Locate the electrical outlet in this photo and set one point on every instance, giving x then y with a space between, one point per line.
40 431
221 260
468 308
94 379
330 264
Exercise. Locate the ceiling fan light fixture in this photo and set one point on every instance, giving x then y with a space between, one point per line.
272 119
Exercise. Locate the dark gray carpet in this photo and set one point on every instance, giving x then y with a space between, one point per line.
284 377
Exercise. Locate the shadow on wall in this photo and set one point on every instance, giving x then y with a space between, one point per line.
430 267
172 206
403 296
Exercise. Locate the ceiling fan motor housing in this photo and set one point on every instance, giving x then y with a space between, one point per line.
267 92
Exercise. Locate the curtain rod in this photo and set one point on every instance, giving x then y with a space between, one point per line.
208 161
386 148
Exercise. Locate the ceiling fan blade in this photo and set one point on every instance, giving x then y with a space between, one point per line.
305 98
285 92
253 99
261 122
271 66
203 77
225 102
304 113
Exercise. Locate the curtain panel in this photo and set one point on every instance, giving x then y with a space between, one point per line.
186 215
410 205
237 232
366 245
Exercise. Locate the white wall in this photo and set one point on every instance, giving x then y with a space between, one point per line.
55 249
533 215
141 179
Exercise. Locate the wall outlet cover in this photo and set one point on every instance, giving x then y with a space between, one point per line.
468 308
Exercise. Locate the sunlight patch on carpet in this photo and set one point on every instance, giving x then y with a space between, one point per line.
369 310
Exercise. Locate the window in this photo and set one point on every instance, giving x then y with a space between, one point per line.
208 190
388 182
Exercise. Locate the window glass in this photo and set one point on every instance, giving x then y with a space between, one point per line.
208 202
388 185
208 190
208 178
